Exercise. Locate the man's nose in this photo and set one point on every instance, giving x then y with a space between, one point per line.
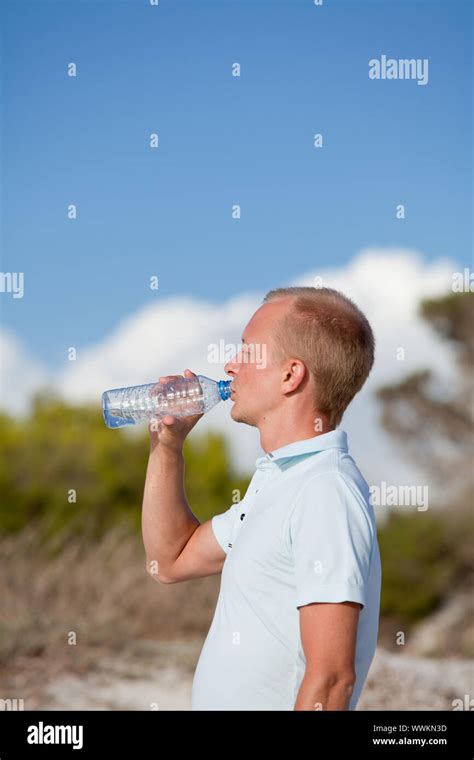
231 366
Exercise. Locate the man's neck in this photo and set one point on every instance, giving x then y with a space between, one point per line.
274 437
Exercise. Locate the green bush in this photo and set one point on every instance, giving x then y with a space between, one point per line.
60 448
425 556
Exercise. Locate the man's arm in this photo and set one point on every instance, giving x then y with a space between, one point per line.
177 545
167 521
328 635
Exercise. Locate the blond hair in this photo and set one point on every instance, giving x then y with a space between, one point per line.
332 337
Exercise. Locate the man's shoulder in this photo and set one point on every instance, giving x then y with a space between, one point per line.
336 471
334 464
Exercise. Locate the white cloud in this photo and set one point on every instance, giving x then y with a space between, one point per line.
167 337
20 375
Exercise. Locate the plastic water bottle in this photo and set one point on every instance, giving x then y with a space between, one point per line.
179 398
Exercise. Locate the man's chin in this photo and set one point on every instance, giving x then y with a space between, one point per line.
235 413
238 416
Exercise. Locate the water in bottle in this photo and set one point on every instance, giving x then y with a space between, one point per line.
180 397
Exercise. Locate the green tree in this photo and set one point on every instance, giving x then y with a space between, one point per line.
61 449
427 556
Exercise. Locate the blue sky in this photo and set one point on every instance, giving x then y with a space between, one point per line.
223 140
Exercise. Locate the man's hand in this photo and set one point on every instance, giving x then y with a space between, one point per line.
328 636
170 432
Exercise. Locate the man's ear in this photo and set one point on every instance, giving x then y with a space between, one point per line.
295 373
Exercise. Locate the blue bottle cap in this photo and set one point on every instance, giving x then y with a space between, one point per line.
223 387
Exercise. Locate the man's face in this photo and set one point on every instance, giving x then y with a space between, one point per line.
256 378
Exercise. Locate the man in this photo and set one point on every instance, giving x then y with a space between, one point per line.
296 622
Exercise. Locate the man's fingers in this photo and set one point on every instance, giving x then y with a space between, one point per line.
166 378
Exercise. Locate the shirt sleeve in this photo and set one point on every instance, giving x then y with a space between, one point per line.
331 539
223 524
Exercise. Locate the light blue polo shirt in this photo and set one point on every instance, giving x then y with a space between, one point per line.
305 532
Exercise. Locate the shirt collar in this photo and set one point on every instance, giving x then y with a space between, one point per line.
335 439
